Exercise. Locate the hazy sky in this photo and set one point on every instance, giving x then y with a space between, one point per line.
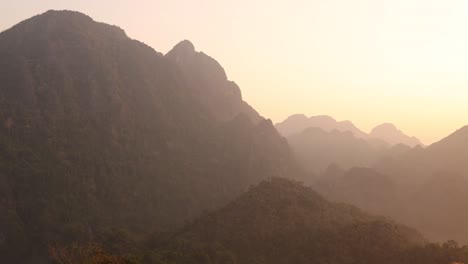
369 61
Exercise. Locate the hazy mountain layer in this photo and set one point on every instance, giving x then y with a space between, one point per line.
297 123
434 205
317 149
380 135
389 133
421 187
448 156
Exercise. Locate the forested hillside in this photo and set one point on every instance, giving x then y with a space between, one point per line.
100 132
111 152
280 221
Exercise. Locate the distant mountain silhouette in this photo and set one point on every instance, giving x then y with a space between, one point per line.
389 133
448 155
100 132
317 149
363 187
280 221
421 187
297 123
434 206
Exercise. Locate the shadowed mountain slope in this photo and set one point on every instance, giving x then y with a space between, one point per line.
99 131
280 221
209 83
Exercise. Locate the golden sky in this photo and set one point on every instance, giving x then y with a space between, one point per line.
368 61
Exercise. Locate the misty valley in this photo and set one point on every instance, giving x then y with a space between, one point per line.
113 152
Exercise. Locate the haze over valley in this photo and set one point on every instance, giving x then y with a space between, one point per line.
114 152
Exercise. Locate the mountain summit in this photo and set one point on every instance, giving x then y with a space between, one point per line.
391 134
209 83
101 132
387 132
299 122
280 222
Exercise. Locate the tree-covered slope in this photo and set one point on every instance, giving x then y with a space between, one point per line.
280 221
99 131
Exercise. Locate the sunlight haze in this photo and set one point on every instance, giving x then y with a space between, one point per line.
368 61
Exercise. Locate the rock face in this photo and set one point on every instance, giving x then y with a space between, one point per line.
389 133
101 132
209 83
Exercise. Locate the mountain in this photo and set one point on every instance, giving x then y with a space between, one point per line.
448 155
421 187
320 141
451 153
208 80
297 123
385 134
363 187
434 180
102 134
317 149
389 133
280 221
435 207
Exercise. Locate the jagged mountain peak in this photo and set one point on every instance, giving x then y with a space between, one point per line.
209 81
66 21
184 46
297 123
108 124
391 134
386 127
297 117
187 57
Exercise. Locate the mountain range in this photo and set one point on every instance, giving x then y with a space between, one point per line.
158 159
101 132
280 221
421 187
384 134
321 141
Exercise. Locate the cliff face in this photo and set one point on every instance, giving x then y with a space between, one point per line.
209 83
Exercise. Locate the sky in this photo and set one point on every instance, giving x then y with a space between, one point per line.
368 61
